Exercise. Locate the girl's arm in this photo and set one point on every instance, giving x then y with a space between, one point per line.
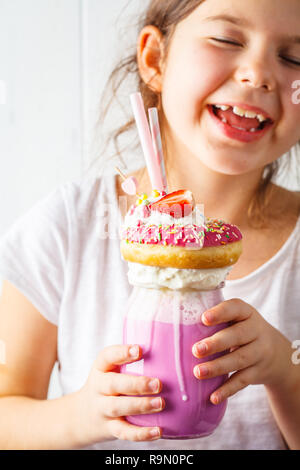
32 424
284 399
93 414
259 354
28 420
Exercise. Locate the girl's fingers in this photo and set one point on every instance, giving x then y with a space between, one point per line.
233 336
230 310
116 407
113 356
123 430
239 359
234 384
112 383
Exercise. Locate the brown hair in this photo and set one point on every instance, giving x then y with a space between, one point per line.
166 15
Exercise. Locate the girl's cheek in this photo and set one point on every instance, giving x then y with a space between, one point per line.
209 69
193 74
199 65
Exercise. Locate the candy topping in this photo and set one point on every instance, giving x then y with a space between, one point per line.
176 235
177 204
218 232
130 186
215 233
142 199
155 193
175 220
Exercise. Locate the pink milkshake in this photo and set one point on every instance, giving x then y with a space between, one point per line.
178 262
166 324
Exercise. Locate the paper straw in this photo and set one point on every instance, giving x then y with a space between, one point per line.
152 161
157 143
120 173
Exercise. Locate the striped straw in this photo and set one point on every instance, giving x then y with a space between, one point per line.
152 162
157 143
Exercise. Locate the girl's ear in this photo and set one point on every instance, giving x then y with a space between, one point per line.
150 57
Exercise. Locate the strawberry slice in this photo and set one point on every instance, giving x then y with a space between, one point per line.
177 204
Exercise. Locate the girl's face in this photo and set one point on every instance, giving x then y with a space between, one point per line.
243 56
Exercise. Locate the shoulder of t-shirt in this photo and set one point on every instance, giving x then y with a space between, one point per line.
297 229
293 243
82 197
80 194
67 203
82 187
34 251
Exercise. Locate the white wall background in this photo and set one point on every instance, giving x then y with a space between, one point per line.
55 56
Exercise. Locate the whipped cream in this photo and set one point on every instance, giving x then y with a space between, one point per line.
140 214
154 277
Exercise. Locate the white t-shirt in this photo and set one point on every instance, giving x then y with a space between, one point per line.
57 255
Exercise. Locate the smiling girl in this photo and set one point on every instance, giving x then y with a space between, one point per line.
221 74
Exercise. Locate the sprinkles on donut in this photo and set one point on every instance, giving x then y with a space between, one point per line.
170 231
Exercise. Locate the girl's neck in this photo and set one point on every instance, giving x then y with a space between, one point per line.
224 196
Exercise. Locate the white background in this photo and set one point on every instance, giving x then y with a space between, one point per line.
55 56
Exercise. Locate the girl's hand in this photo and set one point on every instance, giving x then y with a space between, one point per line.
104 400
257 350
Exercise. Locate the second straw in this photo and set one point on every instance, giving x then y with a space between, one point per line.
151 157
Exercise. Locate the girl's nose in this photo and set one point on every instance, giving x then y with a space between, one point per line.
256 72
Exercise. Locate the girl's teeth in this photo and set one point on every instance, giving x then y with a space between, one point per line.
248 114
245 130
261 118
243 113
239 111
223 107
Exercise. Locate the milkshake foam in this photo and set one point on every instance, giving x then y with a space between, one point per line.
155 277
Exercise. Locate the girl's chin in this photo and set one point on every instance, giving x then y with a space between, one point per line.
227 165
229 159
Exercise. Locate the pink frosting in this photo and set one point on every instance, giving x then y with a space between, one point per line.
175 235
219 232
215 233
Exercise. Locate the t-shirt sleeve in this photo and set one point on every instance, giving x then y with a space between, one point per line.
33 254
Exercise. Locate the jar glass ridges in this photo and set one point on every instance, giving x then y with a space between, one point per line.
166 324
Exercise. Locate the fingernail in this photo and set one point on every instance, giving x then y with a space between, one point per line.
154 432
201 348
156 403
134 351
216 398
154 385
207 317
202 371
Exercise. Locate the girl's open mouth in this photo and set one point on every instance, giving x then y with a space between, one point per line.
241 124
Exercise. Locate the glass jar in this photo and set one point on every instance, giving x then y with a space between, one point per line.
166 323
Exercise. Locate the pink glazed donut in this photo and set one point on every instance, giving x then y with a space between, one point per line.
214 245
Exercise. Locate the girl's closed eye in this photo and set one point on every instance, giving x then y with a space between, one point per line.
224 41
229 41
289 60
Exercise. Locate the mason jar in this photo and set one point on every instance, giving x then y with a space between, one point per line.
166 323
